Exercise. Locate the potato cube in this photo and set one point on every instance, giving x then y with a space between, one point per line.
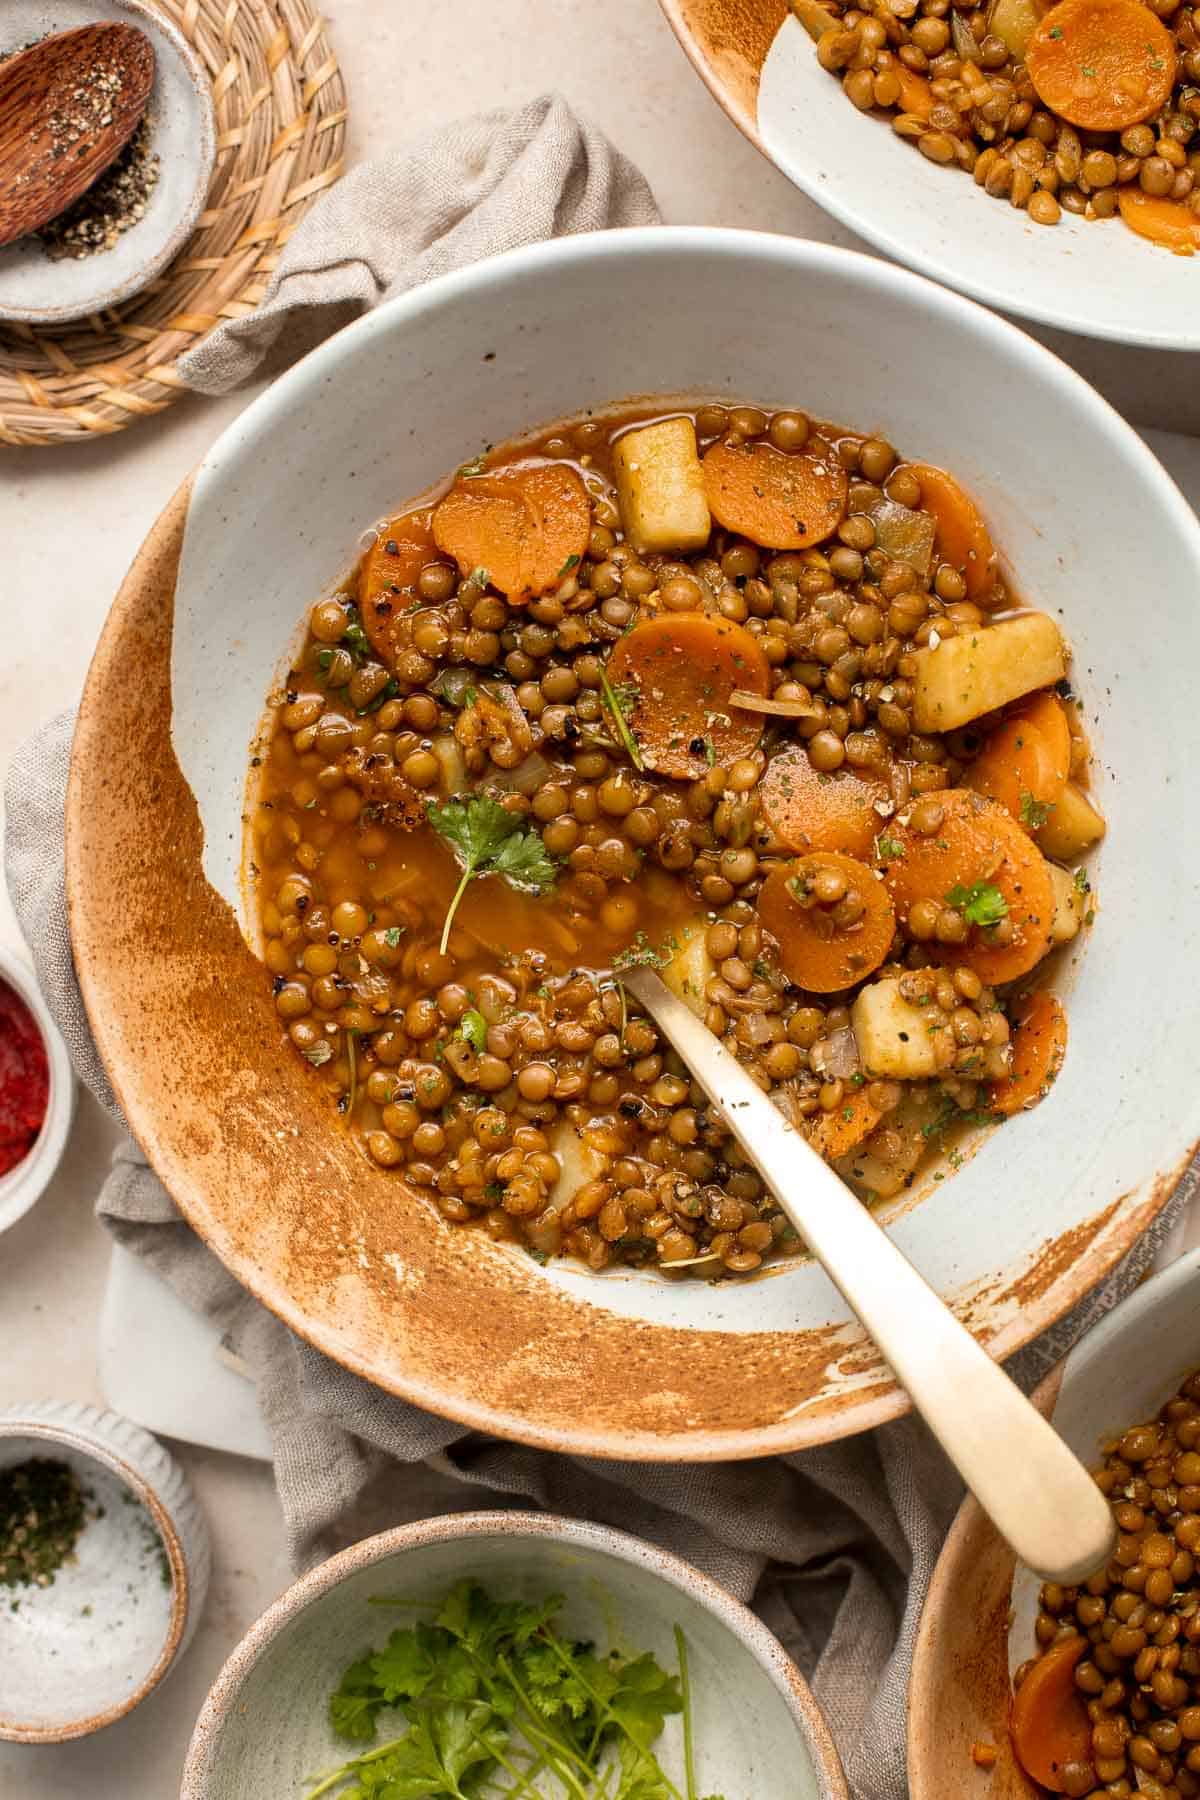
976 671
883 1164
660 487
690 969
1072 827
894 1037
578 1161
1070 904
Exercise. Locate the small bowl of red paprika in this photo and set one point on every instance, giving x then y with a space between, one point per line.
37 1091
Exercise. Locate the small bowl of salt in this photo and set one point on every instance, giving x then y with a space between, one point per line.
138 214
104 1565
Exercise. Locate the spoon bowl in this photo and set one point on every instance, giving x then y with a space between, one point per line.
68 107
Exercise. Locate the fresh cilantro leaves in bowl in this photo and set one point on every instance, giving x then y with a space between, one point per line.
486 1654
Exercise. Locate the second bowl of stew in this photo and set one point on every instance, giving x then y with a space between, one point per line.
501 649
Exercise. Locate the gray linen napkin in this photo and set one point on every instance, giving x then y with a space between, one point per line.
835 1547
465 191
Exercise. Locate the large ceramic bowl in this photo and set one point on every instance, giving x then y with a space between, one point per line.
629 1366
1098 279
977 1625
263 1728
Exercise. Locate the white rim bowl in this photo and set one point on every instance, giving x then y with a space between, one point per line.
1076 500
262 1728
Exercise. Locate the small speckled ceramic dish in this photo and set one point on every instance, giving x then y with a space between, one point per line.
82 1652
37 291
977 1626
29 1179
264 1730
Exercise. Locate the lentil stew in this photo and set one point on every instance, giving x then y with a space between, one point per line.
725 690
1090 107
1110 1703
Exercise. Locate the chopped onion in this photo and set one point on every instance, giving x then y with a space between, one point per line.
529 775
902 533
756 1028
966 44
815 18
836 1056
452 685
782 709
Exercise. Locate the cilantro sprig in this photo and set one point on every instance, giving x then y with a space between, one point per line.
496 1698
620 703
980 904
490 840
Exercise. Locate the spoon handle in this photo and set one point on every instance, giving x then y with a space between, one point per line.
1037 1494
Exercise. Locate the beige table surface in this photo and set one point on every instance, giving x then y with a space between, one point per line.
70 522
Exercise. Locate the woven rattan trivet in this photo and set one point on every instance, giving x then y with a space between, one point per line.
281 111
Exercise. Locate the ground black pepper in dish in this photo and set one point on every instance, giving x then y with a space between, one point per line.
116 201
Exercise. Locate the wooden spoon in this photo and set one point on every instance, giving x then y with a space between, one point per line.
1037 1494
68 107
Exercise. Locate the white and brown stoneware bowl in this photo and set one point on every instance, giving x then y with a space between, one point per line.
1097 279
977 1625
263 1728
82 1652
630 1366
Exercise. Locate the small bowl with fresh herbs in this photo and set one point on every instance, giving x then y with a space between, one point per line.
498 1653
104 1562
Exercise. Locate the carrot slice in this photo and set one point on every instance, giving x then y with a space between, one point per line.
836 1133
1167 222
783 502
962 538
916 95
1039 1045
1017 768
682 668
814 951
1102 64
807 810
978 842
524 525
483 524
1047 714
388 579
562 520
1049 1722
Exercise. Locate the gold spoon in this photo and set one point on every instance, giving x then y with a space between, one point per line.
68 107
1035 1491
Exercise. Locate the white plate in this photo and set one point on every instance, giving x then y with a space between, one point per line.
1090 277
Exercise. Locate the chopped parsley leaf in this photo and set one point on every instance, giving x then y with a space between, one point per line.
1034 813
981 904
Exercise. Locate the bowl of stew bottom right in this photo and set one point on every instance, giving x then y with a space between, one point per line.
1127 1401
